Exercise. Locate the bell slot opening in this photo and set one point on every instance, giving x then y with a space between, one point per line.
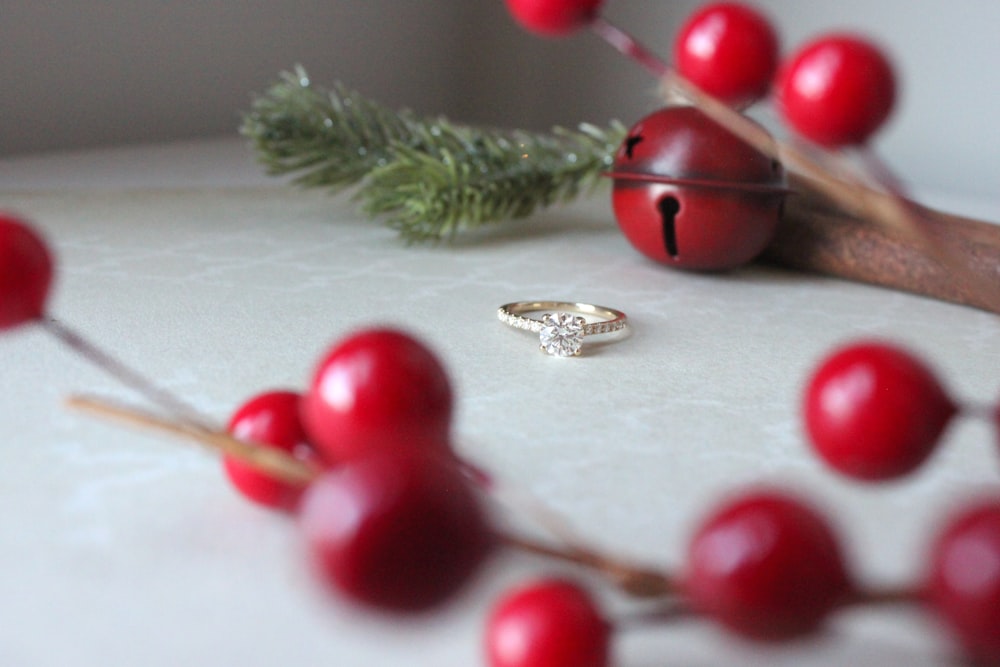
669 208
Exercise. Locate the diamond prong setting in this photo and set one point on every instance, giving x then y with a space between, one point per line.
561 334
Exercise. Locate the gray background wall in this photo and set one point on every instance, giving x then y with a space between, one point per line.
81 73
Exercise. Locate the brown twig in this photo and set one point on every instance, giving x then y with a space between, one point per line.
885 596
270 460
635 580
125 374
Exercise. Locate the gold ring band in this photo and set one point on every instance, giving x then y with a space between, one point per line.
564 324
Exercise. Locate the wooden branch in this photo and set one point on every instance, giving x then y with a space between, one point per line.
816 235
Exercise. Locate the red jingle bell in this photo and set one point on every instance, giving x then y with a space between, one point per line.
692 195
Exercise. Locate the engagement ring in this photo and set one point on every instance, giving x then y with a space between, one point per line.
563 325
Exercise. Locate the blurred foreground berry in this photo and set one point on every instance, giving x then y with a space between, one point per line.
377 388
874 411
766 566
396 530
26 269
964 581
269 419
548 623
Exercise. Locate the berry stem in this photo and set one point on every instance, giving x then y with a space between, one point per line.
659 614
636 581
522 502
125 374
629 47
884 596
269 460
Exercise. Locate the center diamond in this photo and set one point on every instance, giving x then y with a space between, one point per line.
561 334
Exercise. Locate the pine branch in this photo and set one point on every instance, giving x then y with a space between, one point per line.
428 177
331 138
473 177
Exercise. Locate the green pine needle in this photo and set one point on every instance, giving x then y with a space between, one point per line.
428 177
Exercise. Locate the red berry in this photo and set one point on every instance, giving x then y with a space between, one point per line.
837 90
377 388
874 411
964 581
728 50
399 531
549 623
766 566
25 273
270 419
554 18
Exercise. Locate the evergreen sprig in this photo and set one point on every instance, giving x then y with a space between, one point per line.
429 178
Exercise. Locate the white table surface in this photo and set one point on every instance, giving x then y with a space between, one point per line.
120 547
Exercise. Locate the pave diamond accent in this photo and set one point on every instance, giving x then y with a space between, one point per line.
594 328
519 322
561 334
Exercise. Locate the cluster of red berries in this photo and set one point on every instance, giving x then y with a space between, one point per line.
395 521
392 518
396 524
835 91
691 190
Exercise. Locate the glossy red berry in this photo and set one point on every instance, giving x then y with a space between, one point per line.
377 388
398 531
837 90
692 195
554 18
873 411
766 566
548 623
25 273
964 581
270 419
730 51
